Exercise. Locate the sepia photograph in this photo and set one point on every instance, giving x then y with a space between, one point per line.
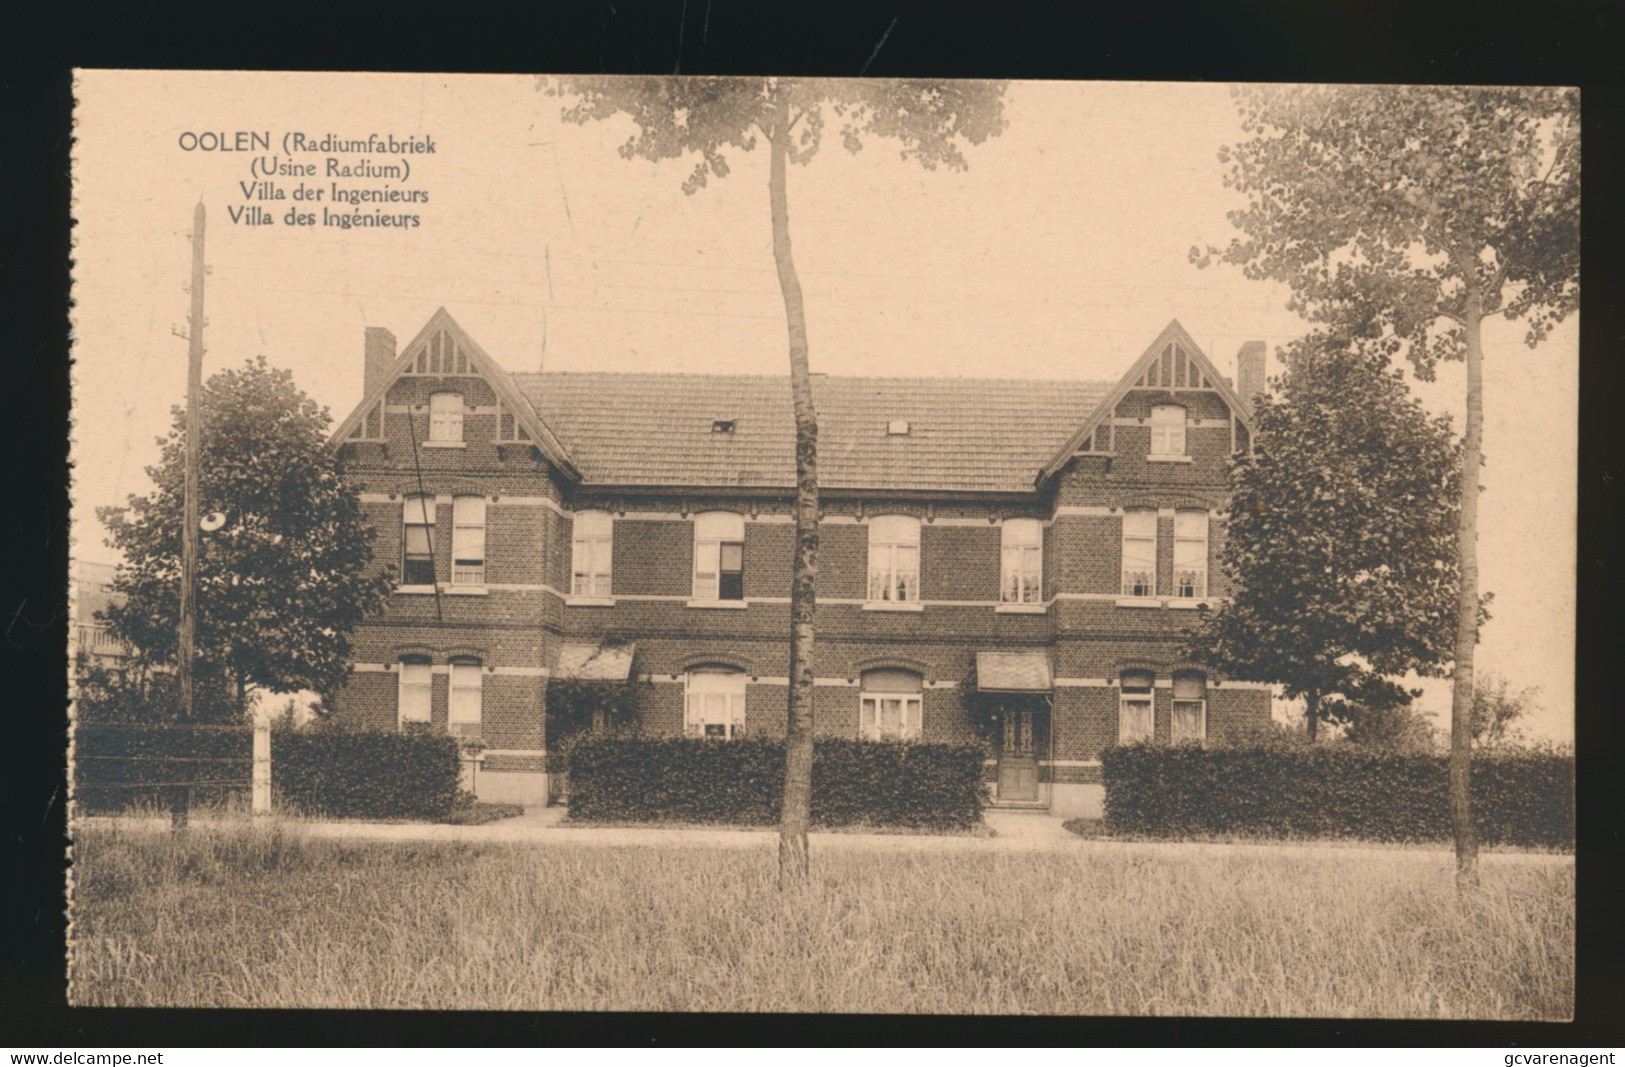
766 544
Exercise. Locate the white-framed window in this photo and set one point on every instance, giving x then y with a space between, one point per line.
889 706
415 698
467 686
719 556
468 540
417 541
894 558
1167 430
1190 553
1140 552
1189 721
714 703
1136 714
446 417
1022 561
592 550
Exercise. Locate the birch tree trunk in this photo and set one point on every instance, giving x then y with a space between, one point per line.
795 811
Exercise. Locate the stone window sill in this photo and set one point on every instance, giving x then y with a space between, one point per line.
727 605
893 605
589 602
1020 609
415 590
444 444
466 590
1139 602
1188 603
1168 459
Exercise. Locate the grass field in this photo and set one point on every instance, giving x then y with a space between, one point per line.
265 918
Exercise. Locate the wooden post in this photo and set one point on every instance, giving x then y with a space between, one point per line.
181 803
262 768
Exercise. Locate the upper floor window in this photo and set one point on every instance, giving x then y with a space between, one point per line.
889 706
719 556
1139 552
446 417
416 689
1022 561
1189 721
1190 553
1136 717
467 685
714 703
592 550
468 540
417 541
894 558
1167 430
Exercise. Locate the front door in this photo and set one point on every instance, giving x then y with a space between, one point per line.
1018 757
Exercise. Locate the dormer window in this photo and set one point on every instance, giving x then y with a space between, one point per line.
722 426
446 417
897 428
1167 430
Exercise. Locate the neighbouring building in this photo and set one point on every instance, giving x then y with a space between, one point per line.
92 593
1005 560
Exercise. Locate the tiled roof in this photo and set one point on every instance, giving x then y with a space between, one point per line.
964 434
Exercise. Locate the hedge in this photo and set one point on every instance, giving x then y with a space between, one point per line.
1523 799
885 783
366 774
120 764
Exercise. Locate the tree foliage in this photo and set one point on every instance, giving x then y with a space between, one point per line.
1341 539
1497 709
716 118
1401 202
281 586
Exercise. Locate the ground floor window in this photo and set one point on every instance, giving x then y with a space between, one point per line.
416 689
889 706
1190 706
714 703
1136 719
467 686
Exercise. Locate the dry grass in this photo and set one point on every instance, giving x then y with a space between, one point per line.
245 917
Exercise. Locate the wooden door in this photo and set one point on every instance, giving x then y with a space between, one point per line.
1018 757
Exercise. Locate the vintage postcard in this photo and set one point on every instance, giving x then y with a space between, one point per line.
769 544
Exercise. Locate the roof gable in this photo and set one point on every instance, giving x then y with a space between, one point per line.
1137 378
481 364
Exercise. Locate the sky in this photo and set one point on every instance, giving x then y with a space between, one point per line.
1060 252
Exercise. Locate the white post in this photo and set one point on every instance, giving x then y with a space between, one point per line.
262 768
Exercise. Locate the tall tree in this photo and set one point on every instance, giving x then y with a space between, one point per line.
1340 546
282 581
713 118
1441 207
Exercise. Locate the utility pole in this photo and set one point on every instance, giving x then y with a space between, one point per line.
181 801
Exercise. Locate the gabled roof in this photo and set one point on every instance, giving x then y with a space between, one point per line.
963 434
483 365
1172 332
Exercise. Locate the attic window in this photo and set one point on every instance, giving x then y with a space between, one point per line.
897 428
722 426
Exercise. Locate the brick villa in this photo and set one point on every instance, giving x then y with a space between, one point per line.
1042 541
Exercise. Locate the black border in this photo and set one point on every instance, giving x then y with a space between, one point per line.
1252 40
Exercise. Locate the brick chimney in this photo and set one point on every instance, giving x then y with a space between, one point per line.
1250 371
380 348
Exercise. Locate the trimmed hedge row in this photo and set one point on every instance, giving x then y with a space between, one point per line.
935 786
120 764
366 774
1524 799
